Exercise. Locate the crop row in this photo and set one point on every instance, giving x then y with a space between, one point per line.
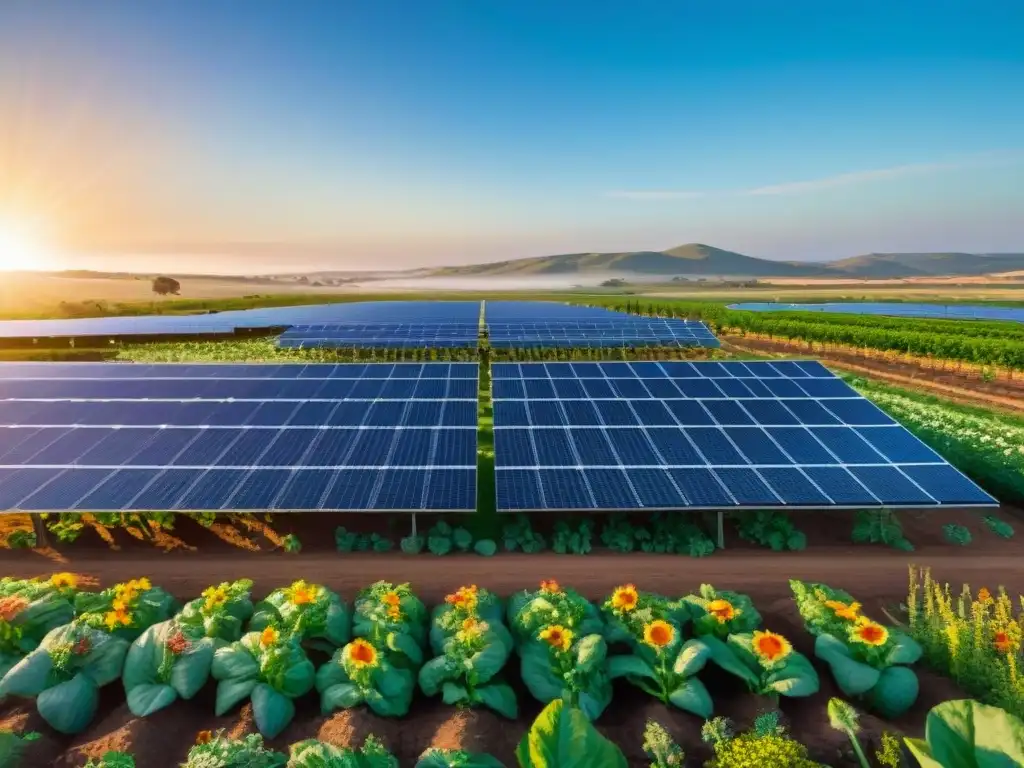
59 645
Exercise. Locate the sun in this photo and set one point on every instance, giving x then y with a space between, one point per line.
22 248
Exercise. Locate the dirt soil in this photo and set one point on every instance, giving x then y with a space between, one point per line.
967 388
877 576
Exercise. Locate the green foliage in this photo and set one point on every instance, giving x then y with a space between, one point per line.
291 544
999 527
350 541
314 614
219 751
661 748
112 760
673 533
519 535
457 758
716 730
619 535
880 526
67 527
485 547
563 737
956 534
771 529
21 539
574 539
890 753
205 519
767 724
412 545
312 753
443 539
749 749
968 734
843 717
13 746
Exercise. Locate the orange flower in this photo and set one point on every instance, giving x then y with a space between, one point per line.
870 633
557 637
470 624
11 606
984 595
64 580
361 653
394 612
463 597
770 646
659 633
116 618
303 593
391 599
849 612
625 598
204 737
269 636
177 643
1002 642
723 610
550 586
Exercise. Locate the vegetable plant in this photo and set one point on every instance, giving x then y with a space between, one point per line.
721 612
29 609
13 746
312 753
457 758
880 526
968 734
867 659
220 612
269 667
64 674
125 610
768 744
572 539
112 759
519 535
473 646
164 664
215 750
661 748
766 662
563 737
313 613
662 663
443 538
771 528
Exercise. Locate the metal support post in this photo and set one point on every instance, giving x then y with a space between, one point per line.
721 529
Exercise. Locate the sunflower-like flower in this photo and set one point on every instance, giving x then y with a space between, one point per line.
869 633
659 634
215 598
361 654
302 593
464 597
625 598
64 580
1002 642
117 618
391 599
550 586
723 610
269 636
557 636
849 612
394 612
770 647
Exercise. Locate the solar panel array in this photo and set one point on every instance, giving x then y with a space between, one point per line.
448 335
931 311
670 435
108 436
602 333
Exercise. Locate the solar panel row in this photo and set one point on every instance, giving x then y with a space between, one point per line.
381 335
631 332
287 371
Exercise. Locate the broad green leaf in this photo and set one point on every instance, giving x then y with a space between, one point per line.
449 758
629 666
340 696
29 676
591 651
232 692
921 752
192 669
895 692
389 706
453 693
403 643
143 658
827 647
271 710
69 706
852 677
499 697
146 698
331 673
596 698
489 661
105 662
234 662
693 697
338 627
299 679
536 672
797 677
562 737
434 673
905 650
967 734
691 659
724 656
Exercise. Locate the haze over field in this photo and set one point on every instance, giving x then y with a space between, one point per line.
201 137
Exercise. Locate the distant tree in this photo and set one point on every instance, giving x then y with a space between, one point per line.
316 283
303 279
164 285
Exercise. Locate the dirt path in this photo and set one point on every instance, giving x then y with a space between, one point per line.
965 389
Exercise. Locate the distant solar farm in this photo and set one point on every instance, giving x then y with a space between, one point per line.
403 437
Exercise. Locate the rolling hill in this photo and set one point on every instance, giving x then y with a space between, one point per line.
706 260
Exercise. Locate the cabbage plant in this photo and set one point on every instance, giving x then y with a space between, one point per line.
457 758
125 610
311 612
316 754
766 662
29 609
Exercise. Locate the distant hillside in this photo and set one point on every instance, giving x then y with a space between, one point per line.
692 259
699 259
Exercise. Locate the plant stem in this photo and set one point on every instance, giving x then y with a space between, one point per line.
859 752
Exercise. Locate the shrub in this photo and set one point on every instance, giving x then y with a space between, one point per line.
316 615
771 529
485 547
873 526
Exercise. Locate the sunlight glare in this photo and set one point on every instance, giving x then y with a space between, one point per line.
22 248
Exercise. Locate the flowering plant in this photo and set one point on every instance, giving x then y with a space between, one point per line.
867 659
767 662
662 663
311 612
268 666
29 609
530 611
215 750
721 613
64 674
220 611
390 615
126 609
318 754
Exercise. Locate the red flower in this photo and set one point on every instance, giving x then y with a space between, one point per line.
177 643
81 647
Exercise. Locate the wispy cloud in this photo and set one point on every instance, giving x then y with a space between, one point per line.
654 194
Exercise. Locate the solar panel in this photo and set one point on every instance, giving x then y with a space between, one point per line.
674 434
105 437
934 311
390 335
625 331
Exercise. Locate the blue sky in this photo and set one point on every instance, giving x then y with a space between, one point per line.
418 132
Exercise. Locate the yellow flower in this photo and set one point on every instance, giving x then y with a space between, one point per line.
870 633
723 610
463 597
984 595
120 604
558 637
550 586
116 618
302 593
394 612
770 646
64 580
470 625
269 636
625 598
391 599
659 634
362 654
215 597
849 612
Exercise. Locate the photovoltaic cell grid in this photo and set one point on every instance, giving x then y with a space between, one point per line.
448 335
104 437
602 333
671 435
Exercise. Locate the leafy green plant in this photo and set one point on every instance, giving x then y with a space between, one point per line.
568 538
412 545
673 533
164 664
867 660
21 539
766 662
112 759
13 746
125 610
268 667
67 527
619 535
219 751
890 753
999 527
205 519
563 737
312 753
220 612
316 615
29 609
956 534
345 540
519 535
874 526
772 529
721 612
767 745
843 718
968 734
291 544
661 748
485 547
351 541
64 674
457 758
